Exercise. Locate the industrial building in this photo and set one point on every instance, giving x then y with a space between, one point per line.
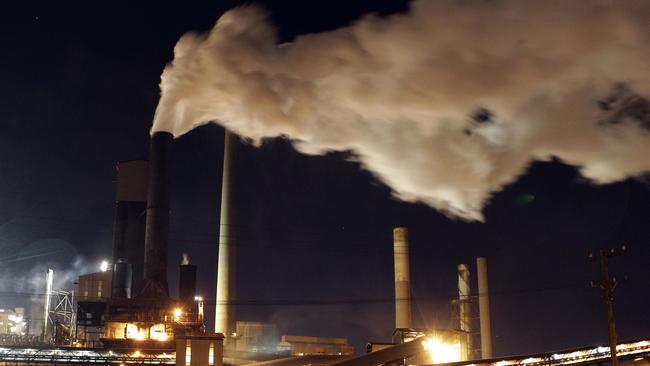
304 345
128 305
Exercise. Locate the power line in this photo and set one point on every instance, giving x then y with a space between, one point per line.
357 301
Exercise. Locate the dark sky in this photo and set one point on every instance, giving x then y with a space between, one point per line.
79 88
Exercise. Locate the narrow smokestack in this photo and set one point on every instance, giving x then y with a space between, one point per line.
157 229
465 311
227 266
49 278
402 278
484 307
186 281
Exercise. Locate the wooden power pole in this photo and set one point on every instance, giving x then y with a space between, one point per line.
608 284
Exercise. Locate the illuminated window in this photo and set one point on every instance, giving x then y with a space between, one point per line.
188 352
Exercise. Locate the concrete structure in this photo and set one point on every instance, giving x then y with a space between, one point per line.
157 228
484 308
302 345
131 189
95 286
199 350
402 278
227 266
465 311
257 337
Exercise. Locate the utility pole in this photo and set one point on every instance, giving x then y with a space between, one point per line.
608 284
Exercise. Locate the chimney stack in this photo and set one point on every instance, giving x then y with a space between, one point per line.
402 278
157 227
227 266
465 312
484 308
186 282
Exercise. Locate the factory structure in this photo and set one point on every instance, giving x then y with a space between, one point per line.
125 314
127 305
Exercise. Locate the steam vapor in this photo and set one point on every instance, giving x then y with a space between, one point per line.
446 103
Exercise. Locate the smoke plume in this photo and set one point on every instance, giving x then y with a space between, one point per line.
446 103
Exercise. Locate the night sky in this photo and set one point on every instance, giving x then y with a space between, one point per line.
79 89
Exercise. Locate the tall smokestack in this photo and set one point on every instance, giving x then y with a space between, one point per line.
402 278
49 278
484 307
225 310
465 311
157 229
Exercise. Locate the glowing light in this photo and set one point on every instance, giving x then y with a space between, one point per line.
198 298
137 353
104 266
177 314
133 332
158 333
440 351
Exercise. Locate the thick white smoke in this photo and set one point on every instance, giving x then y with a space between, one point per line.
445 103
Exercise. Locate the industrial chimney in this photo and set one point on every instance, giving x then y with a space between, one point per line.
186 281
484 308
464 311
402 278
225 310
157 228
